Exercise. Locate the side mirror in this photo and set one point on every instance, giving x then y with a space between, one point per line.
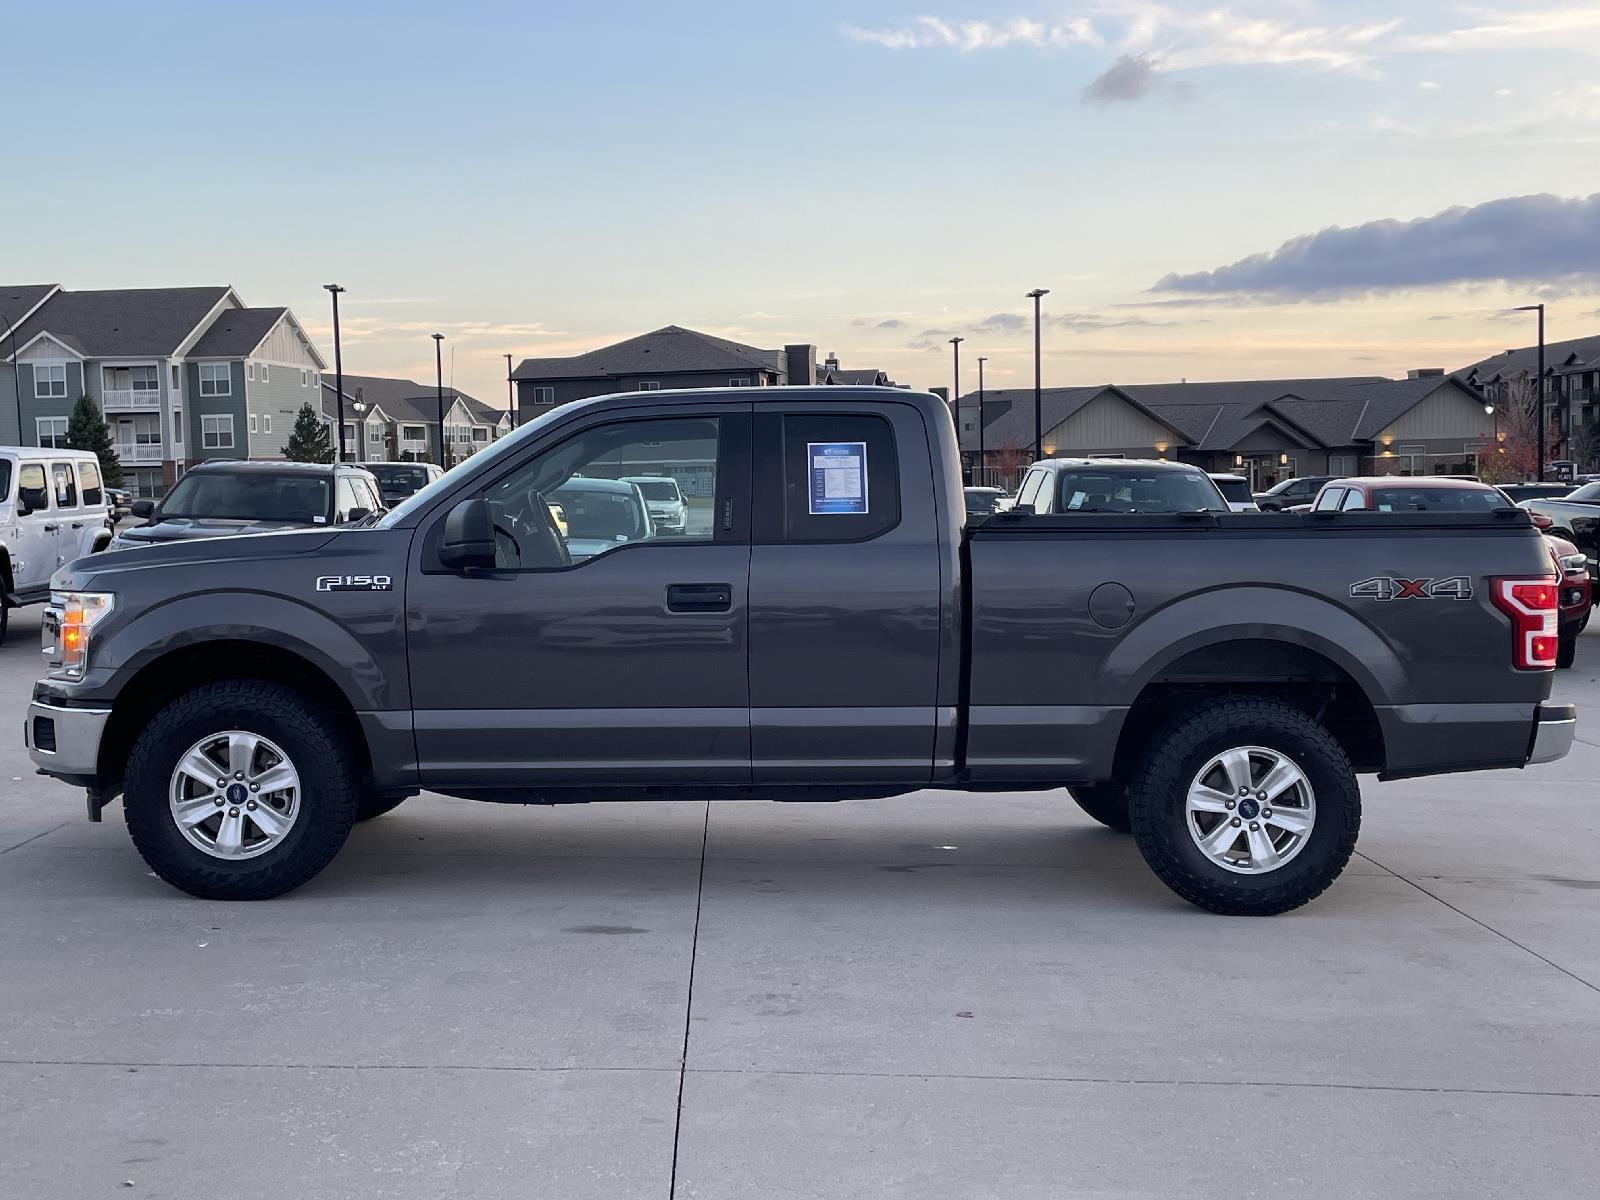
143 508
468 540
357 514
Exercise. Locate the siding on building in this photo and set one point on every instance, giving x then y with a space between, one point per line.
280 399
234 405
1108 425
568 390
1448 413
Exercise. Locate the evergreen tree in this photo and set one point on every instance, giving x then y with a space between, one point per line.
310 440
86 430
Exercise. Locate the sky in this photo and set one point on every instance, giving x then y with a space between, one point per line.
1257 189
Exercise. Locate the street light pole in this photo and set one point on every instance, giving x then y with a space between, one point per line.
1038 391
438 367
338 366
955 394
16 374
511 394
981 475
1538 387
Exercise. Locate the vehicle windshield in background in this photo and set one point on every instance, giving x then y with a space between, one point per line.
658 489
981 501
398 480
610 513
1236 491
1441 499
1589 491
1096 490
248 496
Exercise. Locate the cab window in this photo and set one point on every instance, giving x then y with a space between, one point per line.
346 500
1353 501
575 502
32 486
1329 499
841 477
66 486
1030 489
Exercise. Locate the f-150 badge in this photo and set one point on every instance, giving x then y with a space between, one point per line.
1384 587
354 583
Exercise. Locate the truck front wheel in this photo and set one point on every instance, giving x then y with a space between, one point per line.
1247 807
239 790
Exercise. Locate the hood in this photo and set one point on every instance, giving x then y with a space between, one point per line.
184 528
121 556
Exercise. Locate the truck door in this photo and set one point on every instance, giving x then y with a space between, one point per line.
33 541
602 650
845 597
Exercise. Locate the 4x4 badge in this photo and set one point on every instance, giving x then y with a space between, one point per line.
1385 587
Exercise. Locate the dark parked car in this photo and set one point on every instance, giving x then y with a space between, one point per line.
1518 492
397 480
1212 682
224 499
982 501
1302 490
1576 517
119 505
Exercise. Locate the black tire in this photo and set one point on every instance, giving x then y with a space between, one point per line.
1158 793
375 804
1566 649
307 734
5 620
1106 803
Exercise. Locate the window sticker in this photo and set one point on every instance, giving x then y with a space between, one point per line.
838 477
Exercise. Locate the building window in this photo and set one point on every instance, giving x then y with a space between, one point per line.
349 432
250 372
374 433
176 386
50 381
177 427
144 379
316 379
52 431
216 430
413 433
480 433
305 378
263 372
742 381
649 385
544 395
266 423
215 379
253 423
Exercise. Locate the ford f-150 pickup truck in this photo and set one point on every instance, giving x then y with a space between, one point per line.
824 627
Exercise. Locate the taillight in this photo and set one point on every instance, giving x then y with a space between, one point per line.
1532 605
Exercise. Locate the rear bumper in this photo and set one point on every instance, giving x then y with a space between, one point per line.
1554 727
65 742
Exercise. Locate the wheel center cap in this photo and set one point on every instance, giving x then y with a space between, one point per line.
1249 809
237 793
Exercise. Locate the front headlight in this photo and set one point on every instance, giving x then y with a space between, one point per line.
68 626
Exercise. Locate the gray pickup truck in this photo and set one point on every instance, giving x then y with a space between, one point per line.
824 626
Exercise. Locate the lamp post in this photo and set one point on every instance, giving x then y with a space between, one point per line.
955 393
438 368
1038 392
1538 389
16 373
981 475
360 407
334 289
511 394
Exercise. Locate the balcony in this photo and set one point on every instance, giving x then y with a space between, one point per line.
130 400
137 453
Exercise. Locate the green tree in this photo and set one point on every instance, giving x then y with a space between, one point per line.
310 440
86 430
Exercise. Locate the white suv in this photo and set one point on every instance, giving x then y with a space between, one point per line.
669 511
52 510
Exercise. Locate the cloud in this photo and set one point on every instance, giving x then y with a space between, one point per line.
1498 30
1126 80
966 36
891 323
1548 240
1002 323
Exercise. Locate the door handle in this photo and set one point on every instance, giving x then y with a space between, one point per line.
699 597
77 524
52 529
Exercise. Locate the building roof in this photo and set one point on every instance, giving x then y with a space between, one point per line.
123 322
1585 350
1218 416
17 300
404 400
236 332
666 351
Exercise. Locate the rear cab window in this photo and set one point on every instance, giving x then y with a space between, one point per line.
64 484
89 481
841 480
1421 498
1235 491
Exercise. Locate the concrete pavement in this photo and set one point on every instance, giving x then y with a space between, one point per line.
940 995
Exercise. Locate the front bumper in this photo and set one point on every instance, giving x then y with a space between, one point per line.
1554 727
65 742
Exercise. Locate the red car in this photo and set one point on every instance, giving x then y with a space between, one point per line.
1576 596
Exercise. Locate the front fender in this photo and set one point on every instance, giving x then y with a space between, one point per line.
1232 614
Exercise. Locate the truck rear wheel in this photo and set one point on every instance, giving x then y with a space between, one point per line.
239 790
1567 648
1105 802
1247 807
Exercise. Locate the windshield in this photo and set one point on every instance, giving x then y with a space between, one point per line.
1589 491
1236 491
1426 499
981 501
1097 490
249 496
657 489
398 480
602 514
